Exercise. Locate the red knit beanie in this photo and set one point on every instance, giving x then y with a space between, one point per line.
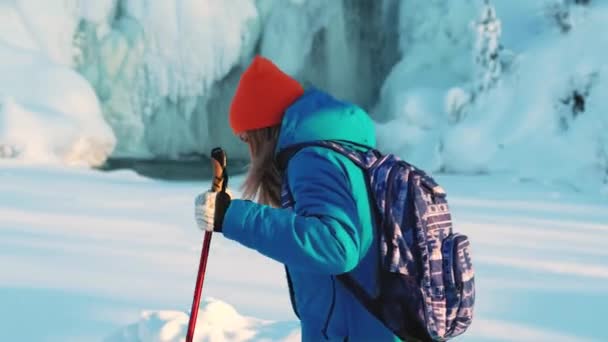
262 96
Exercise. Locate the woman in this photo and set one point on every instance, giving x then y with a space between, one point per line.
330 229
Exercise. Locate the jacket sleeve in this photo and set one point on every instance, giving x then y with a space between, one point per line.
321 235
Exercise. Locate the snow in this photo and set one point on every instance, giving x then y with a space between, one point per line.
91 250
52 116
489 104
217 321
288 35
184 56
149 69
511 116
49 28
87 255
48 112
96 11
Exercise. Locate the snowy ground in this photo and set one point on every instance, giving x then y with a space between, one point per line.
89 256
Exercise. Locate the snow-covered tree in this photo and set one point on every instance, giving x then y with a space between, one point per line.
488 66
559 12
603 160
490 61
573 102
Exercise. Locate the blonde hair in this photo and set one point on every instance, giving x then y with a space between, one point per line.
263 182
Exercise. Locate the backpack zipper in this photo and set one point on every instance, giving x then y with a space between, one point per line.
390 179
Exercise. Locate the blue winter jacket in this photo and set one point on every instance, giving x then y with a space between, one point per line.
330 231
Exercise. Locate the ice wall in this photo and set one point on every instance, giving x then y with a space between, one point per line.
165 71
455 86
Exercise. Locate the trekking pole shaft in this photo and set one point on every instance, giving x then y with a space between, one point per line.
218 163
199 286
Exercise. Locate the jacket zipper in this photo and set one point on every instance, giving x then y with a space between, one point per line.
292 297
331 308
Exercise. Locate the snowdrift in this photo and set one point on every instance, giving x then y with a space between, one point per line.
89 255
48 112
216 322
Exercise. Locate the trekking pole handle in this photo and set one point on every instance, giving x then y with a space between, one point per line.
218 161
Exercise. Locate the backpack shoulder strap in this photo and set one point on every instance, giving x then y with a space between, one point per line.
371 304
284 157
335 145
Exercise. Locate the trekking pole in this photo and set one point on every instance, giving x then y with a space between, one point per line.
219 183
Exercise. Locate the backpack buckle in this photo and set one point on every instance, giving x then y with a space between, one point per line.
432 186
439 191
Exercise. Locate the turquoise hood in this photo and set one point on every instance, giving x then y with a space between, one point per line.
318 116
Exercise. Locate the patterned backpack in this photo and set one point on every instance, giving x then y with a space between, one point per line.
427 286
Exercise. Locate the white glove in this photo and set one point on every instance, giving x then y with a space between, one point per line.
209 210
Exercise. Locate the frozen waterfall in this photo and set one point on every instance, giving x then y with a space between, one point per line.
470 86
165 71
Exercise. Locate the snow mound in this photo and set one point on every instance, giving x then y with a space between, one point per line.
49 113
216 321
